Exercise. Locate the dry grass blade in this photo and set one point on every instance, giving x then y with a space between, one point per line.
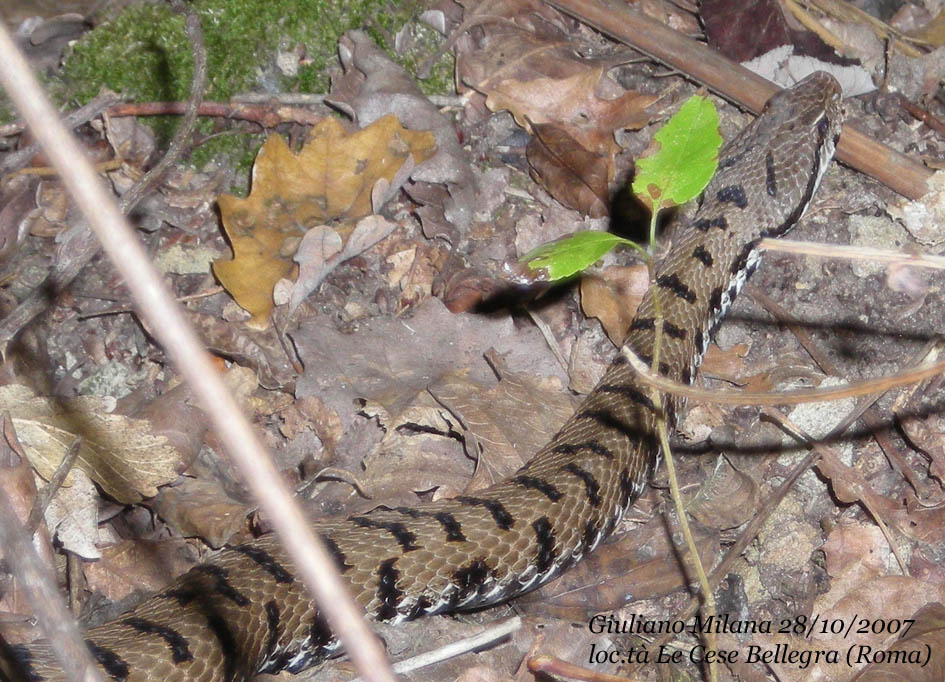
816 395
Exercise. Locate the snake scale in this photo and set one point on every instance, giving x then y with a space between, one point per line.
245 612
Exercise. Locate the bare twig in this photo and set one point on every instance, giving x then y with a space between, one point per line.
738 84
265 114
44 497
919 260
487 637
312 561
815 395
21 157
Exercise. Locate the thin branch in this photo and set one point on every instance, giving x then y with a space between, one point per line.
45 496
82 115
738 84
487 637
815 395
920 260
312 561
268 115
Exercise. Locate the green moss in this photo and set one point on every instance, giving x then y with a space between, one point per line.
143 53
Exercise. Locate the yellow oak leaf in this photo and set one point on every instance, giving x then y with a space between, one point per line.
329 180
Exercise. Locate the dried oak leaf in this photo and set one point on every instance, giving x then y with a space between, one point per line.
575 176
330 179
119 453
542 80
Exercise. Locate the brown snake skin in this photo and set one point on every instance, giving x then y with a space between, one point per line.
245 612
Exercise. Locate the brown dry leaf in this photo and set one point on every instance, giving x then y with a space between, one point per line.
119 453
200 509
73 516
926 636
933 32
613 295
331 178
507 423
138 566
322 249
174 416
415 455
544 81
727 499
860 593
572 174
373 85
850 485
18 208
18 483
726 364
926 433
260 351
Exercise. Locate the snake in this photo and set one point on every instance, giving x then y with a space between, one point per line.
246 612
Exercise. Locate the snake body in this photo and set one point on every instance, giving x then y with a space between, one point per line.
246 612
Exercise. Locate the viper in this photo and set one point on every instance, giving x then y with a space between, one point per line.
246 612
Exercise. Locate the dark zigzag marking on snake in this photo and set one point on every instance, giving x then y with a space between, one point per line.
404 537
771 183
542 486
267 562
501 517
629 392
591 486
23 661
187 593
451 527
341 561
706 224
272 626
701 254
574 448
176 642
116 667
672 331
470 577
672 282
733 194
545 538
647 360
388 593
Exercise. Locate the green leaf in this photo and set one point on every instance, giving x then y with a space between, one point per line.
686 160
565 257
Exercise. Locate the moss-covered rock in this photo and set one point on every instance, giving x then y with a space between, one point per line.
143 53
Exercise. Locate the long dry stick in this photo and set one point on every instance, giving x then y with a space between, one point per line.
738 84
169 326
